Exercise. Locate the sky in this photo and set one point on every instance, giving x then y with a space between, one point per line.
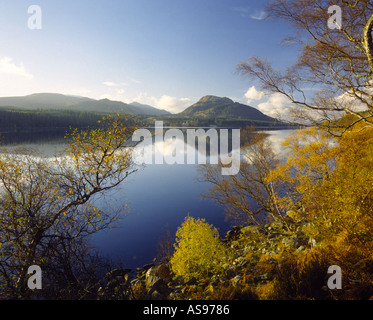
165 53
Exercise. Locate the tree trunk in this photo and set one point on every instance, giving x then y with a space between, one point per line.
368 42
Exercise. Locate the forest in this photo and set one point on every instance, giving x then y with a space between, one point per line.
18 120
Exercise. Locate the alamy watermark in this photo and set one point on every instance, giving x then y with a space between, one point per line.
169 147
335 20
34 281
335 280
34 22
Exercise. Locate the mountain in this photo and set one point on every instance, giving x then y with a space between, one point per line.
54 101
208 108
42 101
146 109
217 107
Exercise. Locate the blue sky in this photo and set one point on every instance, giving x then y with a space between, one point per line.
166 53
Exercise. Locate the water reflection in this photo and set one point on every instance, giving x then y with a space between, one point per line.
33 137
159 197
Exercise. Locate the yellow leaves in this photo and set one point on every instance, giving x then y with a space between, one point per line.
198 249
52 194
333 181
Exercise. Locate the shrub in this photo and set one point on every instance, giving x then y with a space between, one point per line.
198 250
302 276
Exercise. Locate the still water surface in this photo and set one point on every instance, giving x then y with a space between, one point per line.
159 197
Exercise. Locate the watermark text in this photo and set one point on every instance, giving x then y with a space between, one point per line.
172 147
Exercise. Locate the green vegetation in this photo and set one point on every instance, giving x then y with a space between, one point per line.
216 107
57 113
220 112
15 120
54 101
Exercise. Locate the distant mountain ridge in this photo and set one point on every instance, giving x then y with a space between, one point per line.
213 106
54 101
53 114
208 107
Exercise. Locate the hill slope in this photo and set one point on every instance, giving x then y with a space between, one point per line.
216 107
54 101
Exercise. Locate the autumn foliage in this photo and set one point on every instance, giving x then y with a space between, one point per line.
323 188
47 207
198 250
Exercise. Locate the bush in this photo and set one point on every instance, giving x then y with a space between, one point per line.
198 250
302 276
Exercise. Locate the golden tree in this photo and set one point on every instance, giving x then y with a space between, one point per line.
331 185
46 203
338 62
198 250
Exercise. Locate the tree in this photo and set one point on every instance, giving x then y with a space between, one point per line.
249 196
308 163
198 250
46 205
332 189
337 62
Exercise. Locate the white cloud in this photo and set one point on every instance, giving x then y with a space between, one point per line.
8 67
276 106
171 104
248 12
253 94
349 101
258 15
110 84
166 102
129 81
134 80
115 91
